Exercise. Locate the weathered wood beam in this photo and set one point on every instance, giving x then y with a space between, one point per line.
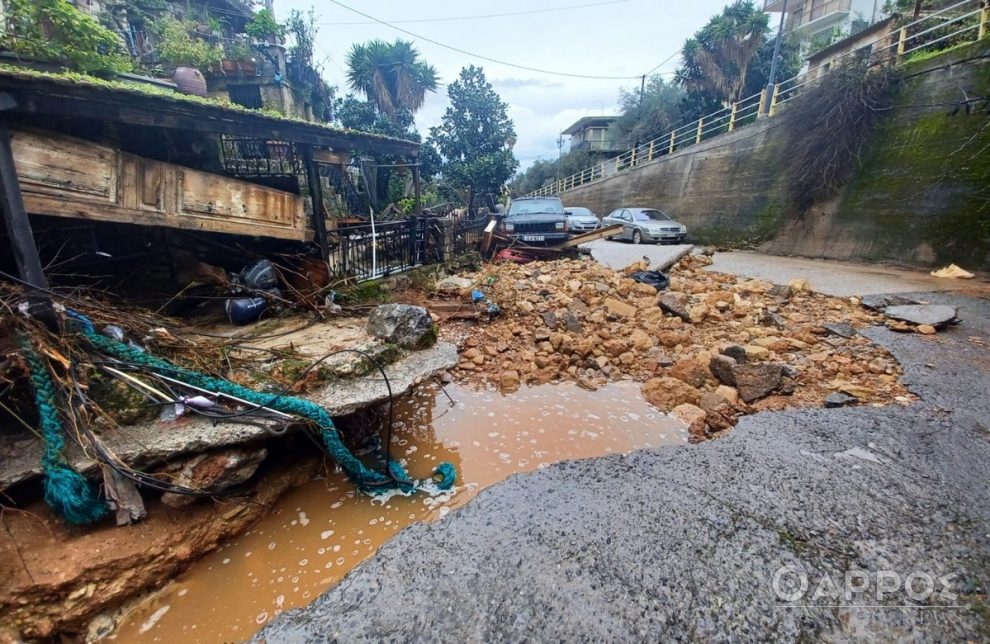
19 226
316 195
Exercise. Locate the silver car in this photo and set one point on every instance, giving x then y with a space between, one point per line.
581 220
641 225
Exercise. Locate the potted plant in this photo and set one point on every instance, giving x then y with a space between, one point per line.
237 57
264 28
188 55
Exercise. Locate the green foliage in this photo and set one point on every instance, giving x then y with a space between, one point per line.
475 136
301 29
176 47
658 112
717 57
262 25
56 30
788 66
390 75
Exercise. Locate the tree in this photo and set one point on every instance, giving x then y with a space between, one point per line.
717 58
657 113
475 137
390 75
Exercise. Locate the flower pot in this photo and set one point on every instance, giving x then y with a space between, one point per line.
228 66
189 80
248 66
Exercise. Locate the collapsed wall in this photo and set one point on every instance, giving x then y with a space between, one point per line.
918 195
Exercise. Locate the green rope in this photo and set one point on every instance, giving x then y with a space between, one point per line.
67 491
367 480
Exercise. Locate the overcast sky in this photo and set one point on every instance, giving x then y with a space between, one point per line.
616 38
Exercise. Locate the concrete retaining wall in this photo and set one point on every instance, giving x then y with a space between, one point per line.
920 195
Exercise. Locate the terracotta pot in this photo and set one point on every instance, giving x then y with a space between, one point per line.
247 66
228 66
189 80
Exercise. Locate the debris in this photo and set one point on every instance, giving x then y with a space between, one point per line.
656 279
453 284
666 393
619 308
953 272
509 381
213 471
672 305
843 329
694 417
838 399
926 329
755 381
855 390
797 285
245 310
936 315
880 302
408 326
260 276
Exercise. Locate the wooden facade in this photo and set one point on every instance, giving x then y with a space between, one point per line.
67 177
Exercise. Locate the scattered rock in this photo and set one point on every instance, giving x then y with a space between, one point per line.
671 305
213 471
926 329
541 335
408 326
735 352
693 371
756 352
842 329
509 381
453 284
572 323
780 291
723 368
799 285
666 393
936 315
694 417
619 308
550 319
838 399
755 381
728 393
773 319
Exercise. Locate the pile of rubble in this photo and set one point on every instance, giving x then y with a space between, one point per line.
710 349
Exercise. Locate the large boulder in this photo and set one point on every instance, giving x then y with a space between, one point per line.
408 326
754 381
453 284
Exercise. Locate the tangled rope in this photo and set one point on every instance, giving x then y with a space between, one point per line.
367 480
66 491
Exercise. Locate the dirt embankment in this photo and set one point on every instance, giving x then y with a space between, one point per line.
711 348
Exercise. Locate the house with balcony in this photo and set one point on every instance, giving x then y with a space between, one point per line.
594 134
811 20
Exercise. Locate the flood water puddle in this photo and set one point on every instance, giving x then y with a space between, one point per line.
320 531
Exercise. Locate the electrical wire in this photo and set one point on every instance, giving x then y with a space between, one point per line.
480 56
484 16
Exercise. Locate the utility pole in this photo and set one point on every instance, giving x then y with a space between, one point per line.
560 153
776 54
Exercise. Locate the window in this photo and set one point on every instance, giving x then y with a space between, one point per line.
248 96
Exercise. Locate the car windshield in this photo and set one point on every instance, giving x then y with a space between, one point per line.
536 206
580 212
650 215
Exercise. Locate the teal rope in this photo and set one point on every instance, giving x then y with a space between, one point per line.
67 491
367 480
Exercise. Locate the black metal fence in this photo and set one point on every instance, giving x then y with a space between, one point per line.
365 252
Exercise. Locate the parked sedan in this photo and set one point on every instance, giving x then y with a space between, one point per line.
581 220
641 225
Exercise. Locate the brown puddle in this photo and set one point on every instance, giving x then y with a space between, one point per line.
320 531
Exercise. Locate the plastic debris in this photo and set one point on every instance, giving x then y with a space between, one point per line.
245 310
656 279
953 272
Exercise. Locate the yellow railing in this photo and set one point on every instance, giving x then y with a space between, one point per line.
951 23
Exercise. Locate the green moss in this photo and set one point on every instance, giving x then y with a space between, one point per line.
122 403
430 338
370 292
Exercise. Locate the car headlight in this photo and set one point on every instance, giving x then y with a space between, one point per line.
509 227
683 229
560 225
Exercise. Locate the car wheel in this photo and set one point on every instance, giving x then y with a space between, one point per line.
637 237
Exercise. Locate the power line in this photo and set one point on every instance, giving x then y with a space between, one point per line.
484 16
481 57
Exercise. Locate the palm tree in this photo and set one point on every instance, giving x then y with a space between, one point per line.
717 58
390 75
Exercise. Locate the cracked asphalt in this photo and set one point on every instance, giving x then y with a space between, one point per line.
683 543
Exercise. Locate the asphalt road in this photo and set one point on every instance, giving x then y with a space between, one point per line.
683 543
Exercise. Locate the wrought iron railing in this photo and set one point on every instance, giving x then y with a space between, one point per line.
962 22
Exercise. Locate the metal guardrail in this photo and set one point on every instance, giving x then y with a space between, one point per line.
966 21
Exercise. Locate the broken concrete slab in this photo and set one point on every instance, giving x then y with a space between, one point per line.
841 329
157 442
880 302
936 315
839 399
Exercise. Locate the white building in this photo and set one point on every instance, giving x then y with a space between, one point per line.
817 19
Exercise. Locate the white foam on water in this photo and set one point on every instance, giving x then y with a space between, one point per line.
153 619
303 519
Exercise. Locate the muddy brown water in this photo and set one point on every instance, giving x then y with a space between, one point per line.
320 531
